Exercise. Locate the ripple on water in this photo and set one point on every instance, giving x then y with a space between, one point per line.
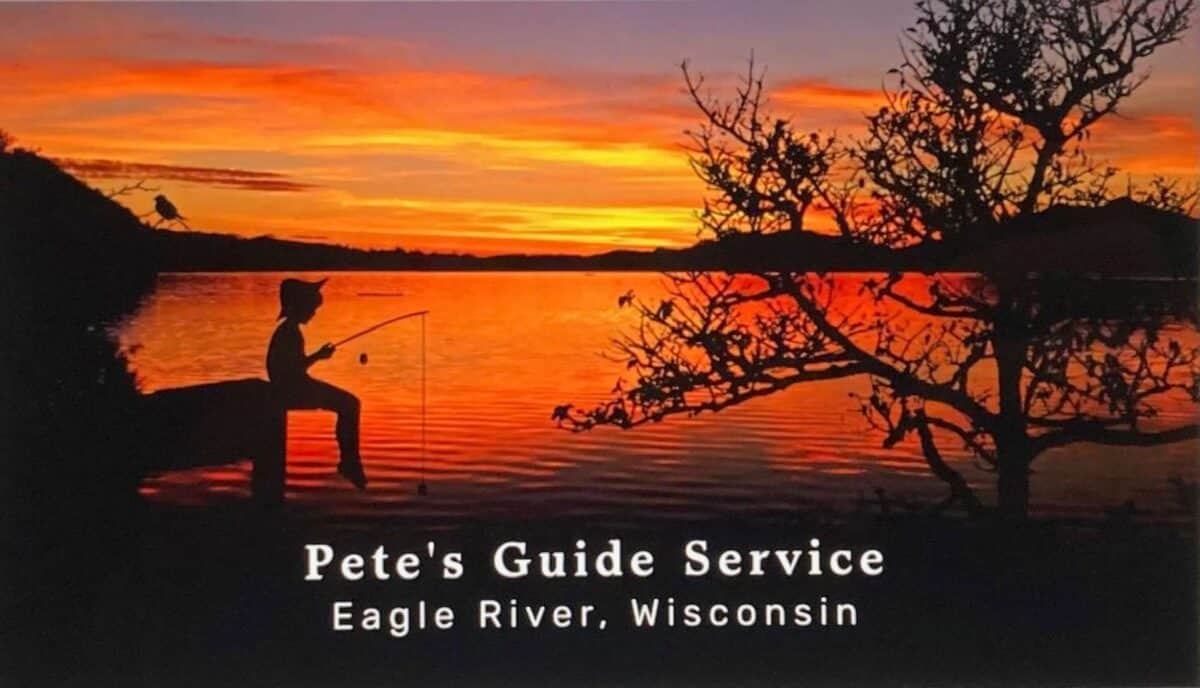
504 349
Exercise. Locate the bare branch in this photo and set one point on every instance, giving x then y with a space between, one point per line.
128 189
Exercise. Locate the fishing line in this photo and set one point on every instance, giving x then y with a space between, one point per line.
421 486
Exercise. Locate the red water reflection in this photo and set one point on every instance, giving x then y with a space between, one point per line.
503 350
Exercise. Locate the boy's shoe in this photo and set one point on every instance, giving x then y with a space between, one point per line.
354 473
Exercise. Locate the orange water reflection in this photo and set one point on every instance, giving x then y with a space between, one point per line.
503 350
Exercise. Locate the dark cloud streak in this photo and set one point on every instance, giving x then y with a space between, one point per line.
247 180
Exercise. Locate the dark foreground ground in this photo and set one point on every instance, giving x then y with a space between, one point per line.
172 597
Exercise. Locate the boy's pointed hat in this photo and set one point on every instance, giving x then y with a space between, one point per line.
294 293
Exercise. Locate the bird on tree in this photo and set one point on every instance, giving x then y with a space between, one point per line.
167 212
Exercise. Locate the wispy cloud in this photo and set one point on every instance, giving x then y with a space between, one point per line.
815 93
248 180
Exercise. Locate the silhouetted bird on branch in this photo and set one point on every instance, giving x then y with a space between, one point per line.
167 212
665 309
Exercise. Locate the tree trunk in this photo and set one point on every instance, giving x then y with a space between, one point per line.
1012 490
1013 451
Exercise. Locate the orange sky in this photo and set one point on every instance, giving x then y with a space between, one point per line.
476 139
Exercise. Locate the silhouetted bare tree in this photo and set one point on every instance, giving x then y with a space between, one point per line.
984 127
994 102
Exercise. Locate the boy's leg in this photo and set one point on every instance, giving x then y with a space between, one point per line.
322 395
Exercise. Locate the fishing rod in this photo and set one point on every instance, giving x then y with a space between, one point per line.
378 325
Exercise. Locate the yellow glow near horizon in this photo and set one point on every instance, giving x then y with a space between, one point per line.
616 155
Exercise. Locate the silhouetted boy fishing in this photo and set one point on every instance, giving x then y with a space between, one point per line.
287 368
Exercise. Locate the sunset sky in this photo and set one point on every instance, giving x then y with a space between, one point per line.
545 127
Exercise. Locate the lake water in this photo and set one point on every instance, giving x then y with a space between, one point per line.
502 350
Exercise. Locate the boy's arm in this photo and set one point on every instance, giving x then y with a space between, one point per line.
321 354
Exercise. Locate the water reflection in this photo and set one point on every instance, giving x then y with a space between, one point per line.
503 349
